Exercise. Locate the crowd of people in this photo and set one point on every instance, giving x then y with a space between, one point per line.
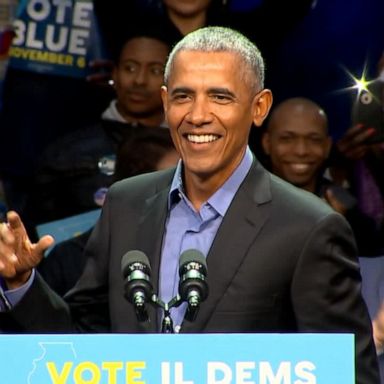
76 168
185 149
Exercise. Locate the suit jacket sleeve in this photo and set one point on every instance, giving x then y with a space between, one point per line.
327 282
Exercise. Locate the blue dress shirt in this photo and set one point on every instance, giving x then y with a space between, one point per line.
9 298
188 229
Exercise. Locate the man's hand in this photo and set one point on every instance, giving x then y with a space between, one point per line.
353 144
378 329
334 202
18 256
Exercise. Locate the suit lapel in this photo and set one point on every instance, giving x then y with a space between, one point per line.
241 225
150 237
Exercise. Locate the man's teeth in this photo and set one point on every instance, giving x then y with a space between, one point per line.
202 138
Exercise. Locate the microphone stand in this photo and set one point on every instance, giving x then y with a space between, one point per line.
167 323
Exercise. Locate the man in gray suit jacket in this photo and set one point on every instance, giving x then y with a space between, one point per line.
279 259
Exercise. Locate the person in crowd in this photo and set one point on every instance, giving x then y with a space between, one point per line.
298 145
78 168
147 150
283 251
358 162
297 142
187 16
179 18
43 98
357 159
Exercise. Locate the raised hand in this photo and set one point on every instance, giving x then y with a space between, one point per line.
18 256
353 144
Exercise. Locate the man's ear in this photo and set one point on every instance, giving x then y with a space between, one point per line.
262 103
164 97
265 142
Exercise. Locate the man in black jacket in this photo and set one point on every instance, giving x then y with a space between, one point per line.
280 259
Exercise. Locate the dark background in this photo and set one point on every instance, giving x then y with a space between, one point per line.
335 36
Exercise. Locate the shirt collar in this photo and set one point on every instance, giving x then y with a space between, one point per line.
222 198
111 113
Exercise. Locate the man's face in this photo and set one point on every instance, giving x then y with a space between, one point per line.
138 77
209 110
298 146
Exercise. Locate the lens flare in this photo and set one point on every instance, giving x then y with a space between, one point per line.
359 84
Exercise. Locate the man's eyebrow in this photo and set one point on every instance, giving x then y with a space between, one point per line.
215 90
221 91
181 90
134 61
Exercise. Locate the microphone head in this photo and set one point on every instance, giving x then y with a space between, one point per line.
193 273
133 257
137 285
192 256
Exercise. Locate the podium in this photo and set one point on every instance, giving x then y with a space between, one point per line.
177 359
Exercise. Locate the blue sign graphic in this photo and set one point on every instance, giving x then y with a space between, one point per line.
178 359
58 37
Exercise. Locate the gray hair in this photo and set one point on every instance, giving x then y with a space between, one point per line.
221 39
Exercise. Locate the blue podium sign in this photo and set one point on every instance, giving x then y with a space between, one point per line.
178 359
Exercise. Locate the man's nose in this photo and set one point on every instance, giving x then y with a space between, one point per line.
141 76
199 113
301 147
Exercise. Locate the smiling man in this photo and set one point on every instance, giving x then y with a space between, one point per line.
298 145
279 259
297 142
211 106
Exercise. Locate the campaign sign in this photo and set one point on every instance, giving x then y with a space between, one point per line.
58 37
68 227
178 359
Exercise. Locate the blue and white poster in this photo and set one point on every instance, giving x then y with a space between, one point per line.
58 37
178 359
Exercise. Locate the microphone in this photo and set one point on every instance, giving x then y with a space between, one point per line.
193 287
138 288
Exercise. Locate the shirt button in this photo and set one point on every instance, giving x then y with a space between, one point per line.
177 328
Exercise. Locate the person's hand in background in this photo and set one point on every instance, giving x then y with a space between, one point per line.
378 329
353 145
340 199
